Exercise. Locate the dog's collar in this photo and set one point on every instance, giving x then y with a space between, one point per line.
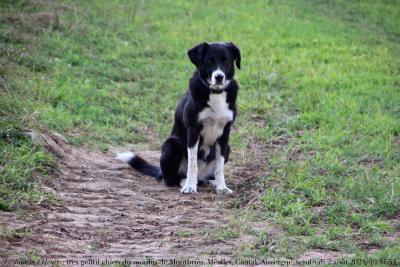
213 91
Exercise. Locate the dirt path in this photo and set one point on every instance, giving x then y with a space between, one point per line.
107 210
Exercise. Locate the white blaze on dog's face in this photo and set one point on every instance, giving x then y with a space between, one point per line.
218 79
215 63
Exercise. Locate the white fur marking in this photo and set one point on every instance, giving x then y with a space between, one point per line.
182 167
215 74
219 183
214 119
205 169
183 182
213 80
125 156
191 176
219 173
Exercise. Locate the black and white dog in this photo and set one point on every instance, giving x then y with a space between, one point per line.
198 148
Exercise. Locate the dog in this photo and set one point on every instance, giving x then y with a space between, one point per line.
198 146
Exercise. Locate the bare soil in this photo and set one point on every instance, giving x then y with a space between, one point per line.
107 210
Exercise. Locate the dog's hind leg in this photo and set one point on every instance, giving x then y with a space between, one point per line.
172 154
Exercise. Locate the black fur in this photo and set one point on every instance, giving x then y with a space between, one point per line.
139 164
187 128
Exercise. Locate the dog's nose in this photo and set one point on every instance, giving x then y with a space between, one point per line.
219 78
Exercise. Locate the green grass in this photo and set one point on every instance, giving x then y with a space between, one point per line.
324 75
183 234
21 163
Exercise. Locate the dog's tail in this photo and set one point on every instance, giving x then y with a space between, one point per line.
140 164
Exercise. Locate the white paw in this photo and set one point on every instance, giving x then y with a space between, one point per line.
223 190
220 188
189 188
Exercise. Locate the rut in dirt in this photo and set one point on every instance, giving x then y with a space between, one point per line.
107 209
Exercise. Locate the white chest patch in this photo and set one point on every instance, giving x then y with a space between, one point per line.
214 119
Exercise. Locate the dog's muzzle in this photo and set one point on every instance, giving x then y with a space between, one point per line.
218 80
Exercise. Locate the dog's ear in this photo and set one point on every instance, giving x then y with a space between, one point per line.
236 53
196 54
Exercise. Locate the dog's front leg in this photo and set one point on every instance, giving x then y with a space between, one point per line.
190 185
219 182
222 146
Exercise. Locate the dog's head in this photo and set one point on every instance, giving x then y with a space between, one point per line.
215 63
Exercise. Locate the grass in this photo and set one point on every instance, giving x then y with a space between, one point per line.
21 163
323 75
183 234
